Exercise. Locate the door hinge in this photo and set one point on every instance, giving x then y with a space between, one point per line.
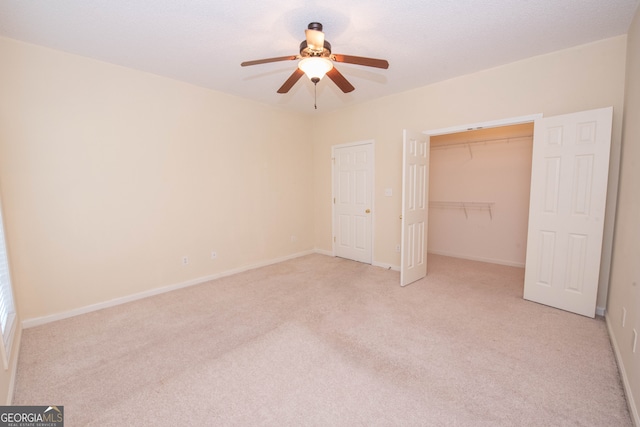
334 239
334 200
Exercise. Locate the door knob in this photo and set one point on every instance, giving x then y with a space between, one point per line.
367 211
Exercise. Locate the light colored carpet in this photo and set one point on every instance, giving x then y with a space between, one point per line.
325 341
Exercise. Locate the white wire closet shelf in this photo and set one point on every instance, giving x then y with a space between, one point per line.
472 143
465 206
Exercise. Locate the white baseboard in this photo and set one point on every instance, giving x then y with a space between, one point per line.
37 321
601 311
481 259
323 252
631 403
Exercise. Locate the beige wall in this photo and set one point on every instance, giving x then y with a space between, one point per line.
625 267
494 167
110 176
582 78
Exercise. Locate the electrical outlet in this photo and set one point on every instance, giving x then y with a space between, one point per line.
294 239
185 260
397 248
624 316
214 255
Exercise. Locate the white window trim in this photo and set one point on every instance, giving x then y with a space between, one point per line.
7 303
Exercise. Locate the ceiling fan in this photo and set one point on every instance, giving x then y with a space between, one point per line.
316 61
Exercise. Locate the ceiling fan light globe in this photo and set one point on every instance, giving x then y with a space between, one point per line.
315 67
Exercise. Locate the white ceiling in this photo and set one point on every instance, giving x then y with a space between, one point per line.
204 41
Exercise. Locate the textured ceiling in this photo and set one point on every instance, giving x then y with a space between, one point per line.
204 41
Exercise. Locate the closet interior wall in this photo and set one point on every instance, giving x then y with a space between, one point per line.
479 194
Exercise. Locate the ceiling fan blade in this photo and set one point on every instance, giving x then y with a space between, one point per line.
293 78
267 60
340 80
359 60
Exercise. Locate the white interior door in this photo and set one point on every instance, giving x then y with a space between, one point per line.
567 207
415 204
353 195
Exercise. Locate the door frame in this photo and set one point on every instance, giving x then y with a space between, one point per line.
373 193
485 125
509 121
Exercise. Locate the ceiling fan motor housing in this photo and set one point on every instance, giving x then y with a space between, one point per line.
305 51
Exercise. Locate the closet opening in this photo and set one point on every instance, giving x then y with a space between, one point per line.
479 189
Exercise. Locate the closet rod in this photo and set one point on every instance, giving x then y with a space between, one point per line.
481 141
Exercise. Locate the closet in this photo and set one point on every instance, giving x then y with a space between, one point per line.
479 191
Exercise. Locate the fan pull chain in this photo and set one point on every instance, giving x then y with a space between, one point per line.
315 81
